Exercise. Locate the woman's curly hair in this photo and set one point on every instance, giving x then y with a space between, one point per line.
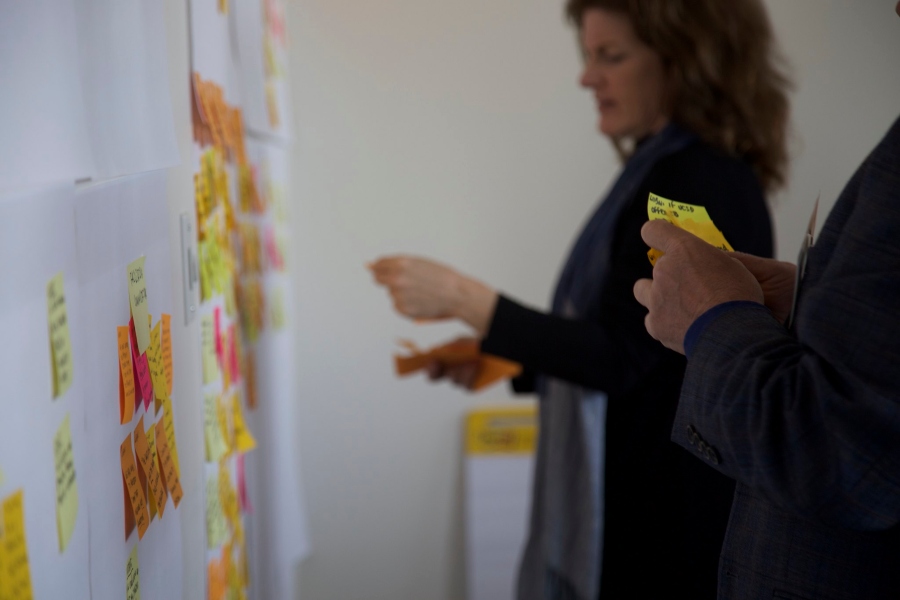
727 80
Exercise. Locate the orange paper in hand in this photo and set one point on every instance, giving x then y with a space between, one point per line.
491 369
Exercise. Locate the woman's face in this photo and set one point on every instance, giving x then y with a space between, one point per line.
626 76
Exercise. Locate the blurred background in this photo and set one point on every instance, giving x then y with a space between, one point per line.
457 130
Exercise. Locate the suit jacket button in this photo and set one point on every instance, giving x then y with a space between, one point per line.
692 435
712 455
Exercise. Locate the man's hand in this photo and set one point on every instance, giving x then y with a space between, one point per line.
689 279
776 278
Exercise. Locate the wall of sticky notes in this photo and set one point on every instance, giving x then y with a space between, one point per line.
139 441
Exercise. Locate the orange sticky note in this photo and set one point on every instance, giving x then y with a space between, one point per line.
136 499
170 473
126 377
167 350
491 369
149 467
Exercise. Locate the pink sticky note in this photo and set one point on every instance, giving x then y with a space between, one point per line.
142 371
242 486
232 354
217 329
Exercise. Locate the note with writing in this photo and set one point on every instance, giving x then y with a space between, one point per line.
216 447
16 573
166 462
137 502
690 217
150 467
60 343
137 297
132 576
126 377
169 419
166 349
66 485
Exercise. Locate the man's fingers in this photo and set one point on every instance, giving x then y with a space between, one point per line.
642 291
661 234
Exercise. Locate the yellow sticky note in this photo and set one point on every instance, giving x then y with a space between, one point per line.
132 576
690 217
150 467
66 485
166 349
60 343
208 349
16 573
157 375
243 439
137 297
216 447
216 526
228 497
166 462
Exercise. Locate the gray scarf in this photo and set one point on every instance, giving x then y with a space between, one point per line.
565 544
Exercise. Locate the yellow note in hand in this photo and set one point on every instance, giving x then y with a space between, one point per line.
690 217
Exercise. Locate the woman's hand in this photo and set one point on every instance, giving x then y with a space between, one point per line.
424 289
461 374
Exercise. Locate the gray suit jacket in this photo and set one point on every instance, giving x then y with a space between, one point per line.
808 421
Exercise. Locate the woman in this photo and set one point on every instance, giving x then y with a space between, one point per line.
618 510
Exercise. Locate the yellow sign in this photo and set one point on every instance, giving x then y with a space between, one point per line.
66 486
502 431
60 344
690 217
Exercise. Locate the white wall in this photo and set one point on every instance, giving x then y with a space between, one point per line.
457 130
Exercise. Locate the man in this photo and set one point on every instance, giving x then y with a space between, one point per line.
805 418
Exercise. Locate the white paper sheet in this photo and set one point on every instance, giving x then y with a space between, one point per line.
212 48
498 500
117 222
37 240
122 55
280 534
254 33
43 130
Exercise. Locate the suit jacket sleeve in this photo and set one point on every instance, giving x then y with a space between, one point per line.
811 418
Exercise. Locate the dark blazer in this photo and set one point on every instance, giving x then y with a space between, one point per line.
808 421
